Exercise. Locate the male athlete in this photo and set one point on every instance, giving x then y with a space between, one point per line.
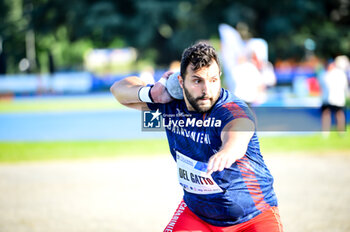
211 135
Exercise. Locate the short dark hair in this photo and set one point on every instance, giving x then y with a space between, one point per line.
199 55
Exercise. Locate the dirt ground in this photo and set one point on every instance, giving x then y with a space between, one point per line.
141 194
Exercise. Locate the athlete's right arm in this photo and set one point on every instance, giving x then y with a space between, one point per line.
126 91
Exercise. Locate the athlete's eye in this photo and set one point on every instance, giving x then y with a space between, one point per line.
197 81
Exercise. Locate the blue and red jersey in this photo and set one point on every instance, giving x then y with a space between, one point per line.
244 190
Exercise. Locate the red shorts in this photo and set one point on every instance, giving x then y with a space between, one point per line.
185 220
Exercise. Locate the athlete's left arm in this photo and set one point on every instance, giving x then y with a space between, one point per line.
235 138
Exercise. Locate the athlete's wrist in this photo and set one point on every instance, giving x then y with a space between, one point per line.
144 94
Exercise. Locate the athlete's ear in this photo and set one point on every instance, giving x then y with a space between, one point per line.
181 80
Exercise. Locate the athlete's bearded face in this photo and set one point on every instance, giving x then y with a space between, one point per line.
201 87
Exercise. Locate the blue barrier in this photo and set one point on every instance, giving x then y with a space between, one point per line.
67 82
127 124
62 82
286 76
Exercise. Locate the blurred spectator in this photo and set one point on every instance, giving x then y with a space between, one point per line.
268 74
247 70
249 85
265 67
334 93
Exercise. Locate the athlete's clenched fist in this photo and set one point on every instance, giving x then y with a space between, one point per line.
159 92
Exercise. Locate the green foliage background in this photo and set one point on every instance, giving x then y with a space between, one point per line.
160 30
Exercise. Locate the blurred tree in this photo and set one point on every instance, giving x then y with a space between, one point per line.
12 33
160 30
3 14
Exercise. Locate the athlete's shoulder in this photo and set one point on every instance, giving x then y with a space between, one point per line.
230 105
228 100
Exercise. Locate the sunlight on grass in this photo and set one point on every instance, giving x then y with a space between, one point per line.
29 151
35 151
59 105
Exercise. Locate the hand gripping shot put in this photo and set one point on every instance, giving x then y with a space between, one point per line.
173 86
212 138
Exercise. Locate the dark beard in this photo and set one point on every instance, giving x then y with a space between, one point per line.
193 101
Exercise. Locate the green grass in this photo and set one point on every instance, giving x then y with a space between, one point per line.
58 105
315 144
43 151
